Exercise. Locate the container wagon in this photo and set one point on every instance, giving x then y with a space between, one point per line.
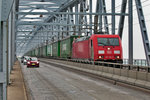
56 49
36 52
66 46
41 51
49 50
44 51
33 53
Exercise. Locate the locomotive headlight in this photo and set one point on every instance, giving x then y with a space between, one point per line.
100 57
100 51
116 51
117 57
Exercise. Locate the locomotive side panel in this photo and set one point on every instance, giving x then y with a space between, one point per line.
81 50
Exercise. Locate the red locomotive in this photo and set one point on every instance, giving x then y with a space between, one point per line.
98 48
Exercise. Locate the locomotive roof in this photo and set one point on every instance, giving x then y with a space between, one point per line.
87 37
82 38
104 35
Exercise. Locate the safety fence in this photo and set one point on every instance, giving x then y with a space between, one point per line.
139 62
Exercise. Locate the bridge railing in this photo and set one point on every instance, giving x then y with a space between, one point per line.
138 62
116 65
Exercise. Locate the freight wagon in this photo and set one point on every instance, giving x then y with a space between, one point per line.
49 50
56 49
33 53
66 47
36 52
41 52
44 51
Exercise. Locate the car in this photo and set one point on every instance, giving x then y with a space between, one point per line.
26 58
22 58
33 62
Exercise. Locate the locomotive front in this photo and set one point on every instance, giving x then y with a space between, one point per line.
107 48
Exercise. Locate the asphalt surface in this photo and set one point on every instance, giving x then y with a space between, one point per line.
51 83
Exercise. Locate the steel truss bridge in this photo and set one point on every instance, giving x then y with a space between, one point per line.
28 24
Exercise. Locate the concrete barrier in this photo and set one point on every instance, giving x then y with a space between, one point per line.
148 77
107 75
124 72
124 75
147 85
84 65
141 79
111 70
142 76
100 68
105 69
132 74
117 71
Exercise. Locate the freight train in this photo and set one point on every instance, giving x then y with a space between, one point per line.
97 47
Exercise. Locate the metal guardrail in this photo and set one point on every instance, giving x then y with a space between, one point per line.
115 65
138 62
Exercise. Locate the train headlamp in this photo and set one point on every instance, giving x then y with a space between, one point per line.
117 57
100 57
116 51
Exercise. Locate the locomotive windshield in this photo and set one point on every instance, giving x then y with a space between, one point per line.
108 41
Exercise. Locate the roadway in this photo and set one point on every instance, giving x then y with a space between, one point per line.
52 83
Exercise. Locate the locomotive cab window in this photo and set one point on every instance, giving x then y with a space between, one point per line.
108 41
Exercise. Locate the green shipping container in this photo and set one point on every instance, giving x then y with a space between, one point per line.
56 49
41 52
36 52
49 50
30 53
33 53
44 51
66 47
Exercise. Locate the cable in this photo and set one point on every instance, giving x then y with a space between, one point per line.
127 2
